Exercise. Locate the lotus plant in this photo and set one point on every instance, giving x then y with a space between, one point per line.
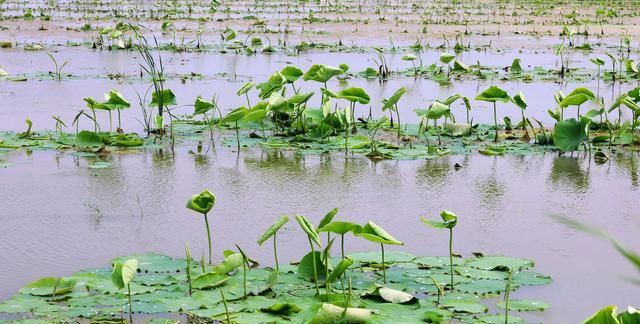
449 221
494 94
271 232
391 104
312 236
377 234
122 275
203 203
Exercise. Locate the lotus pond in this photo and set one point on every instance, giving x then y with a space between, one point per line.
340 161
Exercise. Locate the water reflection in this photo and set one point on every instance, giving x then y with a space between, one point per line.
568 175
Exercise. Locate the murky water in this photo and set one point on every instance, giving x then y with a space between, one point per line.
59 217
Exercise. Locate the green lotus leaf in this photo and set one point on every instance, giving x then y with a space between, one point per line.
273 229
321 73
493 94
305 267
209 280
597 61
115 101
128 140
606 315
255 115
49 286
445 58
308 228
201 106
460 67
499 319
337 272
484 287
291 73
167 98
409 57
524 305
500 263
88 139
300 98
340 227
515 66
328 218
354 95
393 100
569 134
531 278
329 314
202 202
231 262
234 115
245 88
123 273
286 309
377 234
520 101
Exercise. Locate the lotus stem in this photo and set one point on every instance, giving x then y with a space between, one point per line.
119 120
206 222
238 136
226 308
130 308
506 297
315 270
342 244
451 255
495 121
275 251
384 270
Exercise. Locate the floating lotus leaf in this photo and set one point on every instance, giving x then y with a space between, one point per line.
329 314
474 273
531 278
438 261
153 263
484 287
500 262
389 257
524 305
391 295
282 309
209 280
231 262
499 319
88 139
49 286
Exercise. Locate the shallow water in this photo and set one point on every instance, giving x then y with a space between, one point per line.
59 217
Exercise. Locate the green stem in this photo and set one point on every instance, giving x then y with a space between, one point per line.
119 120
226 308
275 251
495 121
342 244
506 298
451 255
238 136
244 274
206 221
130 311
384 270
315 269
